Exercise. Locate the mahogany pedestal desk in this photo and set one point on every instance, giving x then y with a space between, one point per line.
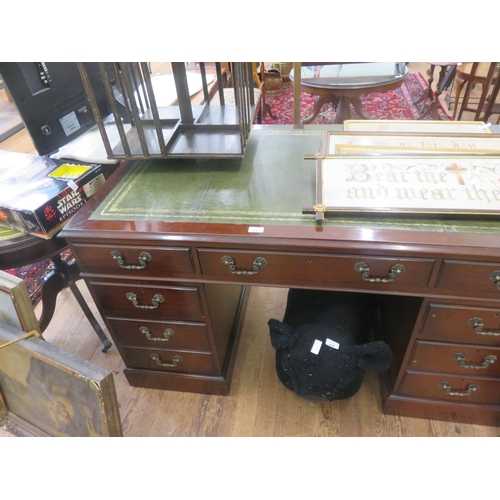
167 249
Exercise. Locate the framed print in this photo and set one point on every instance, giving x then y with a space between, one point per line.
426 126
47 391
15 305
407 143
356 149
463 185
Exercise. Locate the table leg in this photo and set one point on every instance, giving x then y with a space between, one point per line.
428 91
64 275
343 110
358 106
434 105
318 104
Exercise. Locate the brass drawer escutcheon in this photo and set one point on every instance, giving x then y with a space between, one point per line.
447 388
155 301
462 361
175 361
258 263
143 259
478 325
364 269
166 334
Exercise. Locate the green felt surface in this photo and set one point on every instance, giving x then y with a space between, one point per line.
270 185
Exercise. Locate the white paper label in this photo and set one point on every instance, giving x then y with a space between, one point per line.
70 123
73 185
316 346
253 229
332 343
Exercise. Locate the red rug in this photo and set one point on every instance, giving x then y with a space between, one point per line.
34 274
392 105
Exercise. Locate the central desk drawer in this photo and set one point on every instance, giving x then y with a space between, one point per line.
149 301
134 260
289 267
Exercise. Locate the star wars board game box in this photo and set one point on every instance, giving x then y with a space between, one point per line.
39 195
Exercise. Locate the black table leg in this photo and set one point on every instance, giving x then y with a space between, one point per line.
62 276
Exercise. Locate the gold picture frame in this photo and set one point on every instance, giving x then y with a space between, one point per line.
15 305
47 391
412 126
409 143
357 150
416 185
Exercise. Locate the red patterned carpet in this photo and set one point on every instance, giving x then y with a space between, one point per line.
34 274
392 105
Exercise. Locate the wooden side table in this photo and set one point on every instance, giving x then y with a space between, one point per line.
21 250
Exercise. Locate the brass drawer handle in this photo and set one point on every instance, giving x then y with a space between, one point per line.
144 258
478 325
495 277
155 301
166 334
462 361
364 269
470 389
257 264
175 361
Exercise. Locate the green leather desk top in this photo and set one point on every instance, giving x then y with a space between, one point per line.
270 185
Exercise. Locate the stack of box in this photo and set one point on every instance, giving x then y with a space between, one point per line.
39 195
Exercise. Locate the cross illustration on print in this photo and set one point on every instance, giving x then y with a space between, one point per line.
454 168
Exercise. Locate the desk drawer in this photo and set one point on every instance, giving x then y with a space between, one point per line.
162 334
133 261
149 301
456 358
168 360
451 388
464 324
290 268
479 277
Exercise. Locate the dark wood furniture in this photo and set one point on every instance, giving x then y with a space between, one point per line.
469 75
329 85
433 95
169 276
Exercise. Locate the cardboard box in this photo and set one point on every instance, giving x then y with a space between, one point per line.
39 195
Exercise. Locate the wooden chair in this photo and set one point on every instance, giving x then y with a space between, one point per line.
258 73
469 75
492 107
